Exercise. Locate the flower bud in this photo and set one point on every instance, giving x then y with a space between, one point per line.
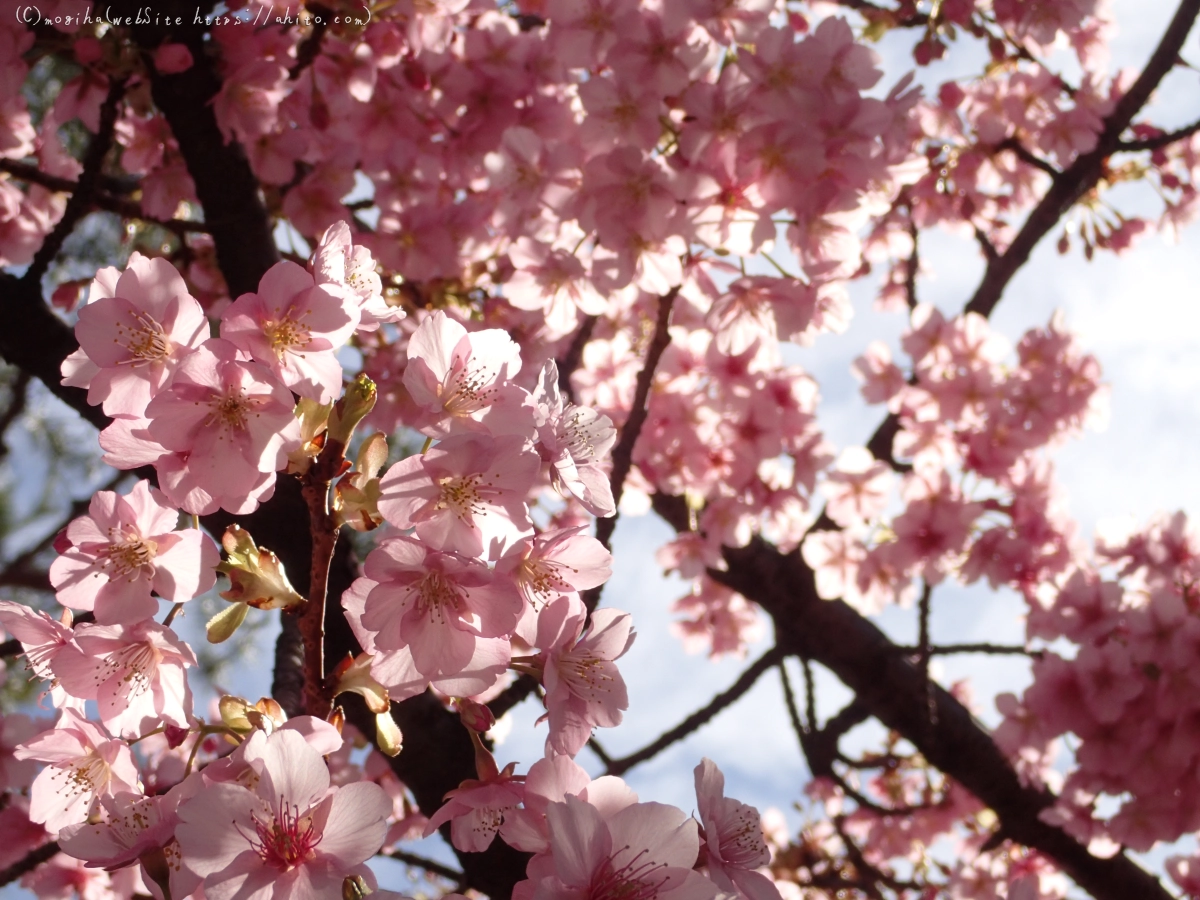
240 717
314 418
476 716
352 408
356 497
353 676
256 576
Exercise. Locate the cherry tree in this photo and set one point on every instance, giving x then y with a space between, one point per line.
374 320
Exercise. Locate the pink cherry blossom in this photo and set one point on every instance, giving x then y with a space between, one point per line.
574 441
84 764
857 487
552 564
293 325
645 850
126 548
289 835
231 422
41 637
476 809
397 670
337 261
134 672
734 847
584 689
460 380
434 603
137 327
465 495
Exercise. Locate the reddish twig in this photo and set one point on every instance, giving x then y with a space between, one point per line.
324 529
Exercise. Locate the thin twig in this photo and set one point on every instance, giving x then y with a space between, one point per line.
81 199
923 648
745 681
1027 156
429 865
990 649
1159 141
601 753
914 263
1083 174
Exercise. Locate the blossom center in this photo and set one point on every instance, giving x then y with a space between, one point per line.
136 665
231 410
145 339
436 592
462 495
129 555
467 390
638 879
287 335
541 578
82 775
286 839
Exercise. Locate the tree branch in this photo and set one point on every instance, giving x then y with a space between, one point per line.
28 862
1025 155
622 455
745 681
85 188
1083 174
1160 140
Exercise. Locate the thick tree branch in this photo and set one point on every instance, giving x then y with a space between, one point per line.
28 862
893 690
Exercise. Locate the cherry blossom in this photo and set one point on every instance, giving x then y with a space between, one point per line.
127 548
136 329
84 764
584 689
290 835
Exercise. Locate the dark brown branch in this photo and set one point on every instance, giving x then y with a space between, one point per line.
81 200
923 609
1025 155
914 263
429 865
950 649
310 47
28 863
622 454
1159 141
123 206
1084 173
107 184
324 531
874 11
601 753
891 688
744 682
570 362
